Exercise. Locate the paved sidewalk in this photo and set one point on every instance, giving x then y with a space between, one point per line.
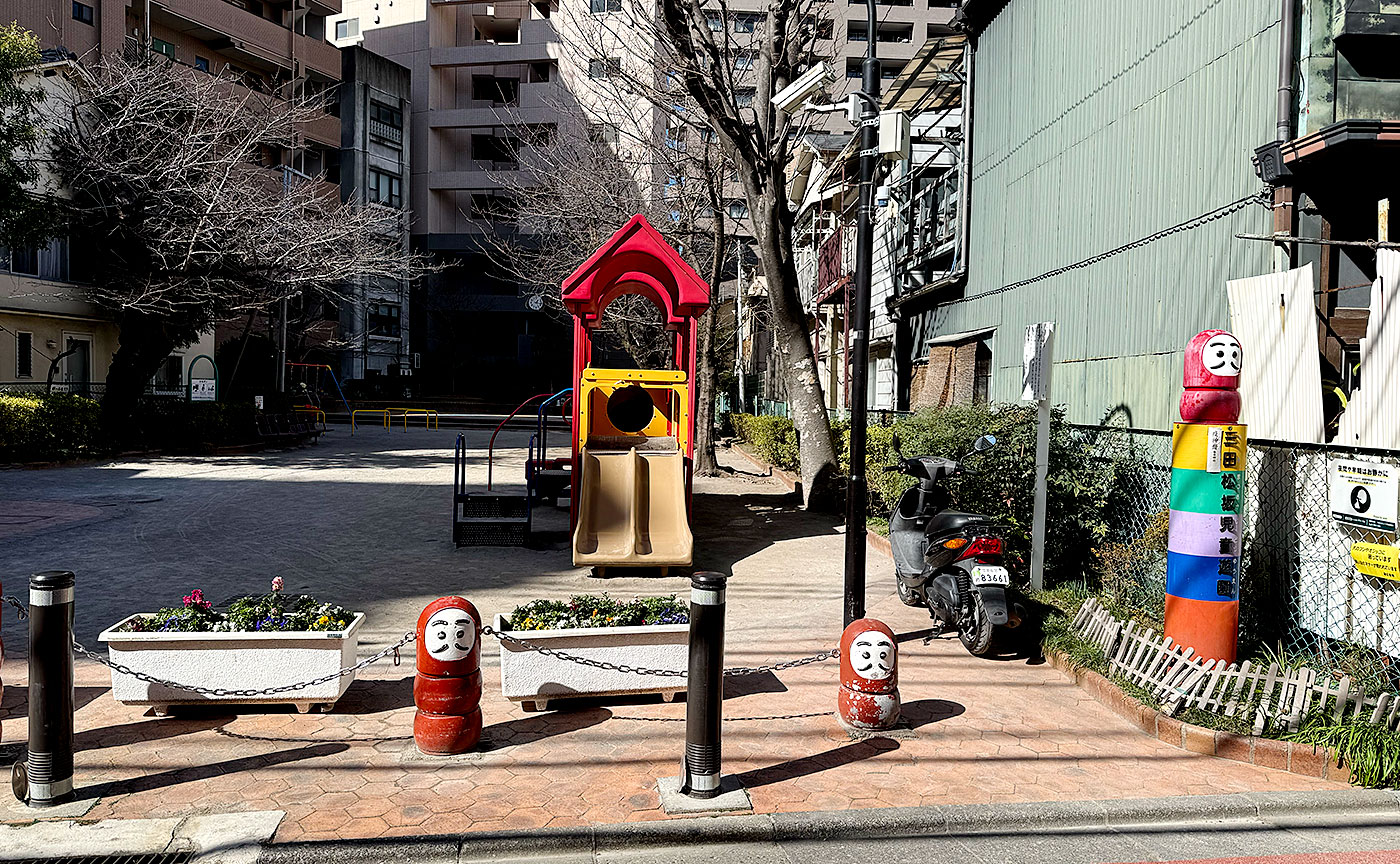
366 521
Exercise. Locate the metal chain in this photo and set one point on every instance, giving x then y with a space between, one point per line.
20 611
219 691
665 673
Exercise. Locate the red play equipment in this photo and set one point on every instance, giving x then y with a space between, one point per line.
633 429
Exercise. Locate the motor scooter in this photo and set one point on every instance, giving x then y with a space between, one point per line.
947 561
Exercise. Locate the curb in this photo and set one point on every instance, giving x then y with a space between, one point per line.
1301 759
871 824
787 478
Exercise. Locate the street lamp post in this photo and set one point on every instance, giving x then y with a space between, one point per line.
859 326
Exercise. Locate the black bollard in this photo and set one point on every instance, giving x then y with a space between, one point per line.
705 687
48 769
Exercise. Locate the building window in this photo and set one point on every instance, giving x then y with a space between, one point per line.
738 209
386 114
605 68
716 23
743 97
600 6
160 46
384 320
201 63
746 22
602 133
385 188
24 354
743 61
982 374
349 28
497 91
82 12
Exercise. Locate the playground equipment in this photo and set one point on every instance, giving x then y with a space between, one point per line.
485 519
547 479
633 429
308 383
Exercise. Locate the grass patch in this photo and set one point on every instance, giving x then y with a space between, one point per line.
1371 752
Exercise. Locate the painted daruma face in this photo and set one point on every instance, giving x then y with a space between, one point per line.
872 655
450 634
1222 356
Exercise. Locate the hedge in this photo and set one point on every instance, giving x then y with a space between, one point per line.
179 426
1000 482
42 427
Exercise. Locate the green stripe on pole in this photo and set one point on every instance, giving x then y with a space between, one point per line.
1203 492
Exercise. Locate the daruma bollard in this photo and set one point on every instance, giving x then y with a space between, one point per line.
45 778
869 697
700 770
447 681
1207 501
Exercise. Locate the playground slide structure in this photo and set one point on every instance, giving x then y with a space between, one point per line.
633 429
632 510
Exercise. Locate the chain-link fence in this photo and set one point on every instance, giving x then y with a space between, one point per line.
1301 596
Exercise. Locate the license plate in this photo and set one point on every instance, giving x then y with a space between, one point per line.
984 574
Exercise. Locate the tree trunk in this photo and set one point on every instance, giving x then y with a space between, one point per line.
806 407
705 463
143 343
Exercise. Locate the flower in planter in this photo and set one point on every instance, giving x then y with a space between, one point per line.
268 612
277 584
598 610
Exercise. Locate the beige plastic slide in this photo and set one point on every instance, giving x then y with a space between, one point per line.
631 510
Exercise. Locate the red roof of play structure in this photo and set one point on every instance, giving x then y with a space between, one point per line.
636 260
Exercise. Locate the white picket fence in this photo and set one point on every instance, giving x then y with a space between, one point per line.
1279 698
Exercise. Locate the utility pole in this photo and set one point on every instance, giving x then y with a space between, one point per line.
859 325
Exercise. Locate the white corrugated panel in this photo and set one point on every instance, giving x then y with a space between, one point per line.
1369 420
1275 321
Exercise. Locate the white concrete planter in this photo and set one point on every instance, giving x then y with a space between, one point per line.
232 661
534 679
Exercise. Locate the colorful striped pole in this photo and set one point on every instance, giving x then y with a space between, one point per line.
1203 540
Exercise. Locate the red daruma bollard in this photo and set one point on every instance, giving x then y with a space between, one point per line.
869 697
447 685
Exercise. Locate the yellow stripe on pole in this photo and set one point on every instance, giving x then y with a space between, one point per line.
1191 447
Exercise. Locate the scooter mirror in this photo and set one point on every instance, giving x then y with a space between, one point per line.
986 442
894 443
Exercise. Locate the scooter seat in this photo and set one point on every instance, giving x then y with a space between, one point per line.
950 522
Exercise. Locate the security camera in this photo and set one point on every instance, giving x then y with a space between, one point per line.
807 85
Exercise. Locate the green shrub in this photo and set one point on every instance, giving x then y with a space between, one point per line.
48 426
1371 752
179 426
774 439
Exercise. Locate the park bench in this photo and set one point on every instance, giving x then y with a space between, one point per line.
286 429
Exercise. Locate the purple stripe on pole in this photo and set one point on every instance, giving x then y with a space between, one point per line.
1201 534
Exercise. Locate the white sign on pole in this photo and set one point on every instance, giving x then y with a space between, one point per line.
1035 362
1363 495
202 389
258 402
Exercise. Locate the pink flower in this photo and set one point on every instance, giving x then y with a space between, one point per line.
195 599
277 583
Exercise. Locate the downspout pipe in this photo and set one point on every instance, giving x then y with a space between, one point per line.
1287 61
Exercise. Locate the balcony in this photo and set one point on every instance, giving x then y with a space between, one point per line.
932 220
538 42
243 36
835 264
324 130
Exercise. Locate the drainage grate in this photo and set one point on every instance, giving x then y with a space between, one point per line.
157 858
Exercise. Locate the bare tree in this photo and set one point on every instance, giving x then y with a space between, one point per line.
575 187
174 178
705 65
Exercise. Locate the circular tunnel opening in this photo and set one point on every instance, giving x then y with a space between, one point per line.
630 409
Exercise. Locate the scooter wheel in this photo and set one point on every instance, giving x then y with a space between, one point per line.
977 639
907 595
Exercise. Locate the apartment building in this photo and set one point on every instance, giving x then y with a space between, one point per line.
275 47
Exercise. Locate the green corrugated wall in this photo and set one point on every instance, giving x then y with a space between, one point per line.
1096 123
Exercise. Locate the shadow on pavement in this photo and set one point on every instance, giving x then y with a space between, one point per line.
527 730
143 731
730 528
922 712
365 696
176 776
793 768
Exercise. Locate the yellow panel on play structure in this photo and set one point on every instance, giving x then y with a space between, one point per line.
631 404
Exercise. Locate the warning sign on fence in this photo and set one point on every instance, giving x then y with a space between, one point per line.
1377 559
1363 495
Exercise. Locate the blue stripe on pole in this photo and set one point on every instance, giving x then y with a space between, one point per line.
1198 578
